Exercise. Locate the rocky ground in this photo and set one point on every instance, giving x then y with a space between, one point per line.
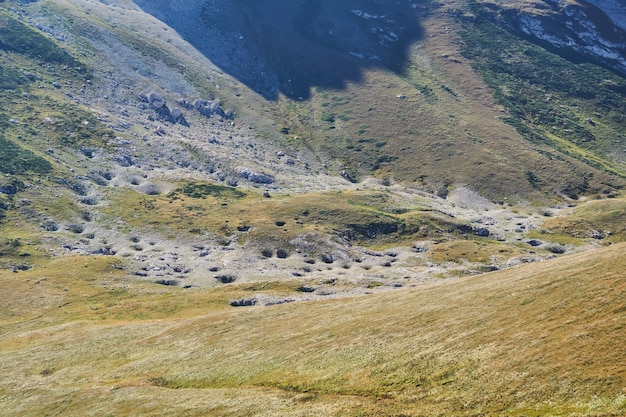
169 131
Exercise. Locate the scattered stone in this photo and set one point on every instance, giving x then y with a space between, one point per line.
243 302
595 234
208 108
124 160
482 232
257 177
277 302
487 268
282 253
534 242
185 104
328 258
106 251
346 175
226 279
49 226
305 289
75 228
90 201
558 249
176 113
9 189
167 282
88 152
155 100
179 269
420 249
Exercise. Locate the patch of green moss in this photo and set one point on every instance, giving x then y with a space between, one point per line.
15 160
17 37
11 79
548 96
200 190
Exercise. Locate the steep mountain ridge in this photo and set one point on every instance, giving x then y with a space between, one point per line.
594 30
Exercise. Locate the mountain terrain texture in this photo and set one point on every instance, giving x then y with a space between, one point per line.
312 207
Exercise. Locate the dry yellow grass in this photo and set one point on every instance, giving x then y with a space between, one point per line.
542 339
602 218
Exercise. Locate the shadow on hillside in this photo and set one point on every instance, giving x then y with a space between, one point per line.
291 46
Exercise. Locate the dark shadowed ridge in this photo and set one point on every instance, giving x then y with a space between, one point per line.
291 46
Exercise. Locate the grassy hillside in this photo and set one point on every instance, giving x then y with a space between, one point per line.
542 339
88 166
597 219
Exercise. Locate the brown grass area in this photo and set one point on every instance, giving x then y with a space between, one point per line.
471 251
606 217
542 339
278 219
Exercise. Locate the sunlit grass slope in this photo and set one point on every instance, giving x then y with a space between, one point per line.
543 339
602 219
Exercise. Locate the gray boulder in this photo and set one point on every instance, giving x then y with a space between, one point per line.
257 177
155 100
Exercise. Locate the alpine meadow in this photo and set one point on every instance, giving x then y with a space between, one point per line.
313 208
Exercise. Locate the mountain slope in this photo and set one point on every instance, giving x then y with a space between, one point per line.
442 158
542 339
159 170
357 119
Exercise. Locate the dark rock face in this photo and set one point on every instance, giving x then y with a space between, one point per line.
285 46
8 189
579 30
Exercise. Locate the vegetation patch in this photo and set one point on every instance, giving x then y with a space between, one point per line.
17 37
576 108
203 190
599 220
15 159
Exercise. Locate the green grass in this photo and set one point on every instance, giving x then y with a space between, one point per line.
363 217
197 190
14 159
17 37
605 219
575 108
